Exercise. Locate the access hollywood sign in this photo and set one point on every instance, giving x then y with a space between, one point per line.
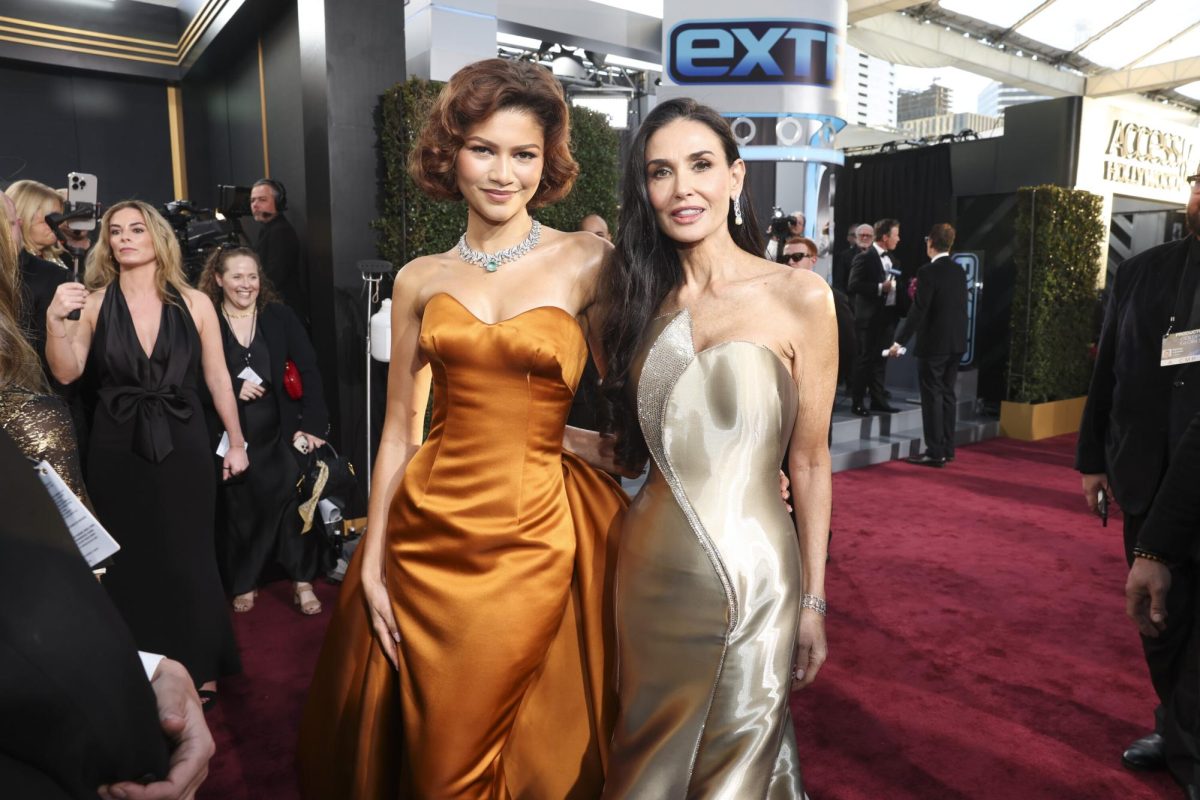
1140 155
717 51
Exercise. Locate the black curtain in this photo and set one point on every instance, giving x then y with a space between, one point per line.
913 186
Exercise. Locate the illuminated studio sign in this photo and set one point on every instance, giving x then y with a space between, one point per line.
716 51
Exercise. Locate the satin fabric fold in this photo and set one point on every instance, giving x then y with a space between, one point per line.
499 564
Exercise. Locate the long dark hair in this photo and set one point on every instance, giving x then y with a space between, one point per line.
645 267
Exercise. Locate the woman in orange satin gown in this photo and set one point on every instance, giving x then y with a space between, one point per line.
471 651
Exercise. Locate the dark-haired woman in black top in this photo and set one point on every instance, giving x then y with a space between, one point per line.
257 517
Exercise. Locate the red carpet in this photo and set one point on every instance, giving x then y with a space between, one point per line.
978 647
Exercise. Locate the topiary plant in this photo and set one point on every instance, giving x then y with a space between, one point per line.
1059 235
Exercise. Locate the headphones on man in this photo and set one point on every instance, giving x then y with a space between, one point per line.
280 192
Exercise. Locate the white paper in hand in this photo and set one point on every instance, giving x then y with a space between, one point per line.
250 375
223 445
90 537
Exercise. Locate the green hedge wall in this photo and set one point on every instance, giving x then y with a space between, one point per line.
413 225
1054 295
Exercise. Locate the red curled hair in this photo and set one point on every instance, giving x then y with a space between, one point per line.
473 94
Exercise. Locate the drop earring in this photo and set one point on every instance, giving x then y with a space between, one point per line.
737 211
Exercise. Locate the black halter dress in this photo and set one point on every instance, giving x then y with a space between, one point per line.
152 481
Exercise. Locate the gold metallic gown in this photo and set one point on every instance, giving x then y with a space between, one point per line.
498 564
708 580
41 426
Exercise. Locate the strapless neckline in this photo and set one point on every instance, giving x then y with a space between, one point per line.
674 316
507 320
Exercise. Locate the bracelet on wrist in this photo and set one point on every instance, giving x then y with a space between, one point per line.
1149 556
817 604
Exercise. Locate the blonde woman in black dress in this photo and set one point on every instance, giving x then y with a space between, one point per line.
147 339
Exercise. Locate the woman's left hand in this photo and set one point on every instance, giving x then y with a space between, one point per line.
236 462
811 650
785 489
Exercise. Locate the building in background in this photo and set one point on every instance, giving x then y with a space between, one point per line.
932 102
942 124
998 96
869 84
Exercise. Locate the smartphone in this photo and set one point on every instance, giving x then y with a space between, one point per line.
1102 506
81 189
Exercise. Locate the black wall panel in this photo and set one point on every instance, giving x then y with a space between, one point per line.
116 128
285 120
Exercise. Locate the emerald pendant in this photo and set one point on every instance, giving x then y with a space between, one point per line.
492 266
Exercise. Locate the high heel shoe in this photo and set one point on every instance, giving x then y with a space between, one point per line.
304 597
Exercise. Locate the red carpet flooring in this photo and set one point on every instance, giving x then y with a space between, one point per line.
978 647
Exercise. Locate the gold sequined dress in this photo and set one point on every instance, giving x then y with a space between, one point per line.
708 580
41 426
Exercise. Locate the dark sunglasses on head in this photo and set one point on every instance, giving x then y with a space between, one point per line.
796 258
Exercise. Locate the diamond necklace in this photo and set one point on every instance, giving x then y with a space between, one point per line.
492 261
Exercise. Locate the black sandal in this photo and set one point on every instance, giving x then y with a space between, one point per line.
208 699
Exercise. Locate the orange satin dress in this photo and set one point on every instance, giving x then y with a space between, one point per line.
499 560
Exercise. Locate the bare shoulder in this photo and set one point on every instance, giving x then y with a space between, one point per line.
582 254
802 289
197 300
412 285
581 247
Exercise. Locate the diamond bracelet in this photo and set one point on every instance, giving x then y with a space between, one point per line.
817 604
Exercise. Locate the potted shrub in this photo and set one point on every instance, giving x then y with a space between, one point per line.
1059 239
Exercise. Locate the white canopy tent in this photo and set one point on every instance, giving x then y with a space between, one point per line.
1052 47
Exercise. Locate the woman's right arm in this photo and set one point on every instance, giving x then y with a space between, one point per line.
403 427
68 341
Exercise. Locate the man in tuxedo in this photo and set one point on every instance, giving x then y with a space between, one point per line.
859 237
80 713
1136 413
875 290
278 246
939 319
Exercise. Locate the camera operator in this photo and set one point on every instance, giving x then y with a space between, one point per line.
782 228
34 201
278 246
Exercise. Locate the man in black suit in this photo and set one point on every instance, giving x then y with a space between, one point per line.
939 319
1136 413
278 246
1166 541
77 712
875 290
859 238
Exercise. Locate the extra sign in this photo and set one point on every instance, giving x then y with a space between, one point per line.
715 51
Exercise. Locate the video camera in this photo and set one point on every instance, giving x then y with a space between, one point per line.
199 230
780 226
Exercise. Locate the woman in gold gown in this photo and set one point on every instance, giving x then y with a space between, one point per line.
719 361
37 420
483 581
